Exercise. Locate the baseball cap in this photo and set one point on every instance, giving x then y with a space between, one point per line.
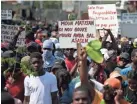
125 55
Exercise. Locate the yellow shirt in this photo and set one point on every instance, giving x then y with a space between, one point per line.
98 97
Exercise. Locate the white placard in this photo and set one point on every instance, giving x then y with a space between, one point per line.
105 16
78 31
6 14
8 32
129 17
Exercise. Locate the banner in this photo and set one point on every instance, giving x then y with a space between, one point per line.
8 32
78 31
6 14
129 17
105 16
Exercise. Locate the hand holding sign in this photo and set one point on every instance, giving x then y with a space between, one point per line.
108 32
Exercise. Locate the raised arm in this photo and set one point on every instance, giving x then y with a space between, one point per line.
104 40
84 73
12 43
114 43
83 67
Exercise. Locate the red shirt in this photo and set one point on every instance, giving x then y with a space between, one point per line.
17 88
69 63
38 42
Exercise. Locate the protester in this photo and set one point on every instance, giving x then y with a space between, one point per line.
126 46
42 87
70 61
54 37
130 92
59 52
29 37
39 38
63 79
112 92
107 44
6 98
133 65
33 47
47 55
45 35
123 61
82 95
84 78
97 72
111 52
14 81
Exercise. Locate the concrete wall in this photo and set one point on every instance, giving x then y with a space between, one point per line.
51 14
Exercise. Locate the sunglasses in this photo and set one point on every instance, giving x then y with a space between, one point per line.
123 59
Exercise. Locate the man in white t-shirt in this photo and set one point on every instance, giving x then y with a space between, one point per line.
40 88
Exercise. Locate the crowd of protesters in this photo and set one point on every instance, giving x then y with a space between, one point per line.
58 76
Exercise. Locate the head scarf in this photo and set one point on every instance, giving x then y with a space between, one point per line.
48 58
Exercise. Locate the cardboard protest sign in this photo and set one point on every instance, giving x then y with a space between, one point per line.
129 17
6 14
8 32
78 31
105 16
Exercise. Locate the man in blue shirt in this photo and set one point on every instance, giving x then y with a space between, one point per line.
133 66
